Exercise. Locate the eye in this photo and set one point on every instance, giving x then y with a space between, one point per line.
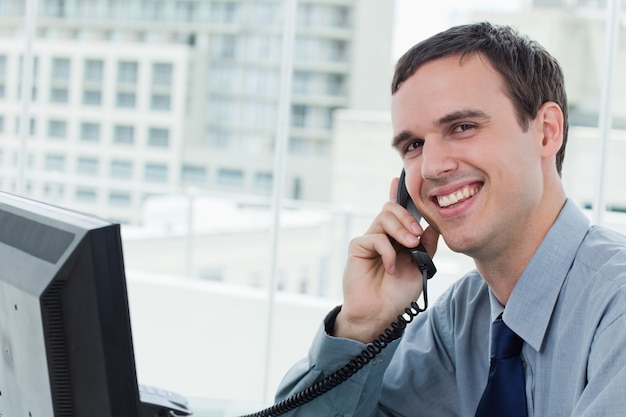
414 145
462 127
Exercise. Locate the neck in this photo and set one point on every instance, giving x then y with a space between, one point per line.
502 270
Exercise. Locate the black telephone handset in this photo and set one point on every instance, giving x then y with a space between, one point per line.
425 263
421 258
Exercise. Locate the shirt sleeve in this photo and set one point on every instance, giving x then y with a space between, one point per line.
357 396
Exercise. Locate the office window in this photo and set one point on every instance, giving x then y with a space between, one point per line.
223 11
160 102
87 166
193 174
124 134
60 69
337 50
57 129
224 46
86 195
340 16
121 169
125 100
59 95
265 47
263 181
232 177
307 49
336 84
158 137
3 67
127 72
224 78
302 82
119 198
54 163
260 114
267 13
90 132
155 172
262 80
300 115
94 70
222 111
154 10
92 97
162 74
219 139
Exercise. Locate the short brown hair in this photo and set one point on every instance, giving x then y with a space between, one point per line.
531 75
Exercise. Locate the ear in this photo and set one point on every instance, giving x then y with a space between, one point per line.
550 116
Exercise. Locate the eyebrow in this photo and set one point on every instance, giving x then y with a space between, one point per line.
406 135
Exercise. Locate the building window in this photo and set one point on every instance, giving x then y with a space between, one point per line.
156 173
92 97
124 134
162 74
160 102
59 95
125 100
219 139
87 166
263 180
57 129
54 163
224 46
193 174
127 72
94 70
87 195
118 198
335 84
90 132
338 50
158 137
233 177
223 11
60 69
302 82
121 169
299 115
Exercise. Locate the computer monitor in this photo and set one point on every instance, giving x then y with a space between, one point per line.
65 335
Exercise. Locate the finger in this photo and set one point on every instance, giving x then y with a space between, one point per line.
393 190
374 246
395 221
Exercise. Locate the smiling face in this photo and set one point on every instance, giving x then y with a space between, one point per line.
474 173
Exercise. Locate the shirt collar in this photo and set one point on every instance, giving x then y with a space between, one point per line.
530 306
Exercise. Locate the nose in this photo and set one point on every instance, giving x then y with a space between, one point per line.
437 159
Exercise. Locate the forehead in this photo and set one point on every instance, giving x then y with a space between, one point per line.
447 85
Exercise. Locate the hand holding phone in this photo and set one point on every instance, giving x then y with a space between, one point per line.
419 254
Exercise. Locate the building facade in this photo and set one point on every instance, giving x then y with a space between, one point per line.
140 97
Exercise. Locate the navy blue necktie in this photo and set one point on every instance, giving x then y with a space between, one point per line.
505 393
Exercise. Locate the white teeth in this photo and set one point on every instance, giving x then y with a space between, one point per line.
453 198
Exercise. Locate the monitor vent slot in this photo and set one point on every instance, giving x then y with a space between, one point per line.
57 360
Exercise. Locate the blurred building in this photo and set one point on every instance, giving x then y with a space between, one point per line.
139 97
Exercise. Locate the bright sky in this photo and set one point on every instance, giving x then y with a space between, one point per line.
418 19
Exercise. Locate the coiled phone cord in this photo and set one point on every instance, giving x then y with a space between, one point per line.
390 334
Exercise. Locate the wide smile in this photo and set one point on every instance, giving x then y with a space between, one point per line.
458 196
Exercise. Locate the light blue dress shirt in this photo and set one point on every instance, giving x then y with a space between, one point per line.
569 306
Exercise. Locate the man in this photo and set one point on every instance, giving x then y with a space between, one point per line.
479 117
